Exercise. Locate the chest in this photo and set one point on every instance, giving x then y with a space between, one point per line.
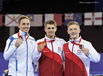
76 50
26 48
55 46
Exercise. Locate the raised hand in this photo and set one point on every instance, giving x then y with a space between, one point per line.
41 46
19 41
85 50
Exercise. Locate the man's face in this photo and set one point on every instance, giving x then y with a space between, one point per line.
50 30
24 25
73 31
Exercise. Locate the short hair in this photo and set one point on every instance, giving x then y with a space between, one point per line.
22 17
51 22
73 22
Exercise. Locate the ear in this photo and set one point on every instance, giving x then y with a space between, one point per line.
79 30
45 29
67 31
56 28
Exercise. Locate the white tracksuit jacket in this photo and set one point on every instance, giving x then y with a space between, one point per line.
74 54
20 59
51 57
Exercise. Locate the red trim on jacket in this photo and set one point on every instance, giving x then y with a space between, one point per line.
50 63
73 64
21 36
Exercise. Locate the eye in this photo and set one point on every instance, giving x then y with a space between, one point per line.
49 28
23 23
52 27
70 29
75 28
27 23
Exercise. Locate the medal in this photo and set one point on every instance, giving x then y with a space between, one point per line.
81 46
44 43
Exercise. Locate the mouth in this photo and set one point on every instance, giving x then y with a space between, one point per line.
51 32
26 28
73 34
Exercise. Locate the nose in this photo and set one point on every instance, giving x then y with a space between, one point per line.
26 25
73 30
51 29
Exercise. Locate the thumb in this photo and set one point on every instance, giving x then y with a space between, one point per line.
21 37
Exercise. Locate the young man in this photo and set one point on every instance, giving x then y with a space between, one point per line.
78 53
19 49
50 50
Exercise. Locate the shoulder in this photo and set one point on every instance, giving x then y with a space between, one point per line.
31 38
14 36
40 40
66 43
86 42
60 39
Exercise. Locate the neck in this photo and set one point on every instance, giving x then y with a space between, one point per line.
23 31
51 37
74 38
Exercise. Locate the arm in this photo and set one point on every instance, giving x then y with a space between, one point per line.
63 55
9 48
36 53
94 55
91 53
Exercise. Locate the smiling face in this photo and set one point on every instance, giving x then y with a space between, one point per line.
24 25
73 31
50 30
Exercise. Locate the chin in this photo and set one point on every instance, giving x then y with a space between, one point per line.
52 35
73 36
26 31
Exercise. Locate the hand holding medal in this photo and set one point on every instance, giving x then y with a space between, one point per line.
19 41
41 45
84 50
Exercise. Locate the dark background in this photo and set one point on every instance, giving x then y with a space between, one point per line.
94 34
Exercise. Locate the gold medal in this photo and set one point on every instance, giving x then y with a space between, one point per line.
44 43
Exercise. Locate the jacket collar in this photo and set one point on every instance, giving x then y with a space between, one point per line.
76 40
23 33
49 39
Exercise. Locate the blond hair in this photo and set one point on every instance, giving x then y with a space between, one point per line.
73 23
51 22
22 17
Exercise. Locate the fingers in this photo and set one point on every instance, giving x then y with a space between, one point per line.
86 51
81 46
19 42
41 46
21 37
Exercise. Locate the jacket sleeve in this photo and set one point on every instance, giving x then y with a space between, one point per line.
36 53
63 55
93 54
9 49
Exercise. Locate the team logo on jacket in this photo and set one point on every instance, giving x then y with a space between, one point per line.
59 48
79 52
